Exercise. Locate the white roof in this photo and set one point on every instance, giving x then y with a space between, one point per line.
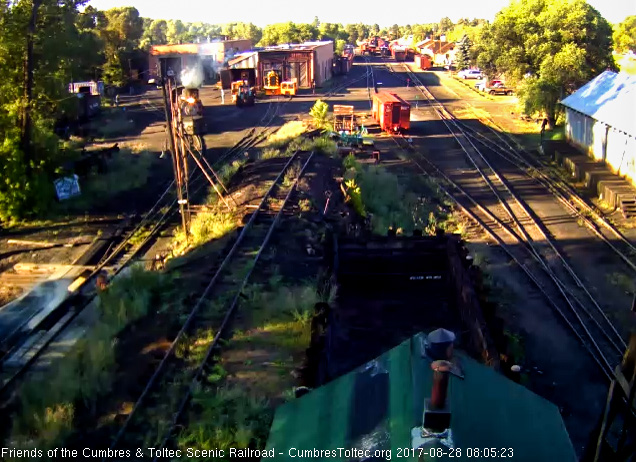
610 98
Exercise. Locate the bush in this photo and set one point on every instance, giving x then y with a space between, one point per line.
319 113
325 146
375 191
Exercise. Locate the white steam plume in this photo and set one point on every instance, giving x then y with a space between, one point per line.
192 77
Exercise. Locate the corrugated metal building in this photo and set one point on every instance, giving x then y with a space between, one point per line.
213 55
305 61
601 121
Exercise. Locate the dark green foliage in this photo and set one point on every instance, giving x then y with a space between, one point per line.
625 35
548 48
463 53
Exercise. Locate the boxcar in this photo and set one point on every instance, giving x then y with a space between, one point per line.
399 53
423 62
391 112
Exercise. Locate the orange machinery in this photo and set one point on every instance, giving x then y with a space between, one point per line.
289 87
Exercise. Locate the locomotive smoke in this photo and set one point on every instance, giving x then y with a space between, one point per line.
192 77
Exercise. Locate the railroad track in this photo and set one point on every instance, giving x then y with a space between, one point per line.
508 149
27 345
488 199
177 375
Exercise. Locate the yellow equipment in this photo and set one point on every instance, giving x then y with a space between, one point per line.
236 86
289 87
272 83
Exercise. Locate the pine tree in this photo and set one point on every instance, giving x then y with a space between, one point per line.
463 53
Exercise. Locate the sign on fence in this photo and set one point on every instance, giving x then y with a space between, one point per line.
67 187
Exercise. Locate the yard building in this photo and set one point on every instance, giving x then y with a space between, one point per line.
306 62
440 52
600 119
212 55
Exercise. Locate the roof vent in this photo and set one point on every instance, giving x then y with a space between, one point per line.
439 344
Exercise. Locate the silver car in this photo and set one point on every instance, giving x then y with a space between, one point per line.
470 74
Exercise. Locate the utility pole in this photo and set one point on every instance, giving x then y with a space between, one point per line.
175 156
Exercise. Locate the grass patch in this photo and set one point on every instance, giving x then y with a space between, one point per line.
225 415
622 281
228 417
228 171
325 146
272 153
205 226
126 171
291 174
304 205
47 405
114 123
286 133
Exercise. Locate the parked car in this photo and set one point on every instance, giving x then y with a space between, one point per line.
470 74
481 86
499 89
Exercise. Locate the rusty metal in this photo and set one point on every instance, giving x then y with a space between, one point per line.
441 368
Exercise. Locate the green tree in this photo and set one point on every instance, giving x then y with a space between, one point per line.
339 46
43 46
625 35
177 32
121 36
463 53
548 48
319 113
156 33
445 25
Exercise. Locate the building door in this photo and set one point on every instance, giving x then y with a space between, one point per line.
294 71
303 75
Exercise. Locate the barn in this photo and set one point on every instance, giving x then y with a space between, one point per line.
601 121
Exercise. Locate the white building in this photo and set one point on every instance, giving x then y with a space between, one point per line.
601 120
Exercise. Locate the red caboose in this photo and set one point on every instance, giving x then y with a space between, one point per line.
391 112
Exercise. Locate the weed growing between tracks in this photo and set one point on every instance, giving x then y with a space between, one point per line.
389 202
286 133
49 404
234 408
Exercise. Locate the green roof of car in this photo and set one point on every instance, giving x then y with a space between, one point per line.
377 405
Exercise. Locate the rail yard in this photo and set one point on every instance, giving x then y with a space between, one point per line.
305 215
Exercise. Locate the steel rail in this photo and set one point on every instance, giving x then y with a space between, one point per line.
154 216
559 189
503 246
197 307
443 113
559 283
228 315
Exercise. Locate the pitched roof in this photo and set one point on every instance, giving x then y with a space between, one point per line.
378 404
609 98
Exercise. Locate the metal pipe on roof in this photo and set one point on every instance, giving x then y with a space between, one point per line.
439 392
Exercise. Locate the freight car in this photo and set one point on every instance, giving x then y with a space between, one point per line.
391 112
423 62
78 111
398 53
